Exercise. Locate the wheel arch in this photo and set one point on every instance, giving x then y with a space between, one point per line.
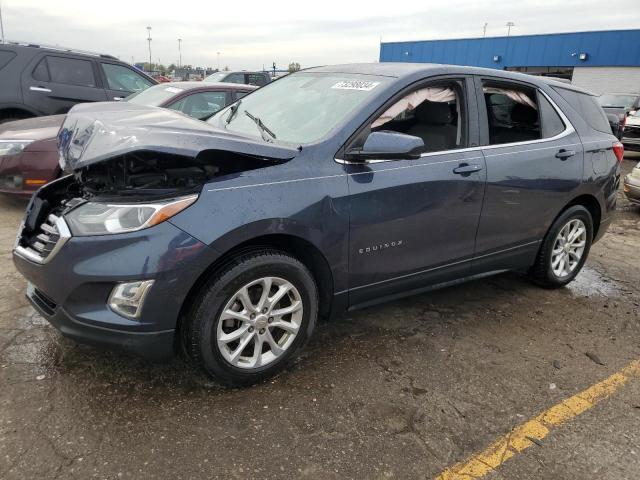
296 246
7 110
592 204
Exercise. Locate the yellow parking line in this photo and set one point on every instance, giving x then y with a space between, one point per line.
525 435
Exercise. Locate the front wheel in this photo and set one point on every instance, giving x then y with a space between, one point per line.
253 318
565 248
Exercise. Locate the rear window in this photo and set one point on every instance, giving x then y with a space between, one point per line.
5 58
588 108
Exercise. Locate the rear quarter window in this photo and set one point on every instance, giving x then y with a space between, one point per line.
5 57
588 108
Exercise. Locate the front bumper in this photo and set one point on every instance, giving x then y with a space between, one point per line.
72 288
632 189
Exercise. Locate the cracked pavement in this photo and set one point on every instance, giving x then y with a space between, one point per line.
401 390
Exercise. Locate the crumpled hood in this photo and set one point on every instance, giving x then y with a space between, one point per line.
37 128
94 132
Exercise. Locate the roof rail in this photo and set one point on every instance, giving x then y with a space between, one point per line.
59 49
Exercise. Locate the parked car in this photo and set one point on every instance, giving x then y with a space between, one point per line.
631 136
617 107
161 79
632 185
38 80
332 189
248 78
28 151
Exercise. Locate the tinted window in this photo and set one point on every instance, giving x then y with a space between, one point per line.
588 108
552 124
124 79
5 57
201 105
216 77
512 113
235 78
433 113
71 71
41 72
258 79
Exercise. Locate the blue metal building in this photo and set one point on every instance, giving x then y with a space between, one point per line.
601 60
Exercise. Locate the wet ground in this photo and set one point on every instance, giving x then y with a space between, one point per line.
402 390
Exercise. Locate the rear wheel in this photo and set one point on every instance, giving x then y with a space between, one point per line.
564 249
253 318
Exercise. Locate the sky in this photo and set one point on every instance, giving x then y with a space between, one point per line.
252 34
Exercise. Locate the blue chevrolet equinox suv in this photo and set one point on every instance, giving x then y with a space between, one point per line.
330 189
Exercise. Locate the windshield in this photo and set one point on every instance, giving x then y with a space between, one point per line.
154 96
622 101
299 108
216 77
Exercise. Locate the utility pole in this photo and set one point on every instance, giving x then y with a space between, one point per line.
484 29
218 60
509 25
180 52
1 25
149 40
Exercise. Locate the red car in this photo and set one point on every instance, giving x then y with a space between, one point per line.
28 148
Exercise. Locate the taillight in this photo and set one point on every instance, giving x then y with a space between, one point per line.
618 149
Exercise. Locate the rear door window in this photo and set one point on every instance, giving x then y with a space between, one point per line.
512 113
71 71
588 108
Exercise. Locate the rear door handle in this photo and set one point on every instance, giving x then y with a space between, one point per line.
40 89
466 169
564 154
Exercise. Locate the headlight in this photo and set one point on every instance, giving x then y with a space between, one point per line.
13 147
93 218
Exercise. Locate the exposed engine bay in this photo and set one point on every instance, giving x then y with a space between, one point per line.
148 173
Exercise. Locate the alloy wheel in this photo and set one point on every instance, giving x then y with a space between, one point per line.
259 323
568 248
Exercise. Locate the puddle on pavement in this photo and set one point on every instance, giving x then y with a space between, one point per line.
590 282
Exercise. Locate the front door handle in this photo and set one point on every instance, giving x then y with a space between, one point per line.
465 169
564 154
117 99
40 89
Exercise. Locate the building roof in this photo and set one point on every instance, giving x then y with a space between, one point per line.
598 48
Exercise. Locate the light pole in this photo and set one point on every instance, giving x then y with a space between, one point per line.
509 25
1 25
484 29
179 52
149 40
218 60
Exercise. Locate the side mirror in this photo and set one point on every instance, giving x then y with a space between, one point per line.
387 145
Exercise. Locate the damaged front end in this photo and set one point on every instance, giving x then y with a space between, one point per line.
130 167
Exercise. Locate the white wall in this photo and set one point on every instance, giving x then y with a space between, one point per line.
608 79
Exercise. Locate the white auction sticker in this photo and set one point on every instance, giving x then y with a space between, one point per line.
173 90
356 85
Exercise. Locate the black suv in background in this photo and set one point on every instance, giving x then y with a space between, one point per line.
38 80
258 79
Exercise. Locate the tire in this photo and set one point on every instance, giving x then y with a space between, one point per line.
547 271
222 311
